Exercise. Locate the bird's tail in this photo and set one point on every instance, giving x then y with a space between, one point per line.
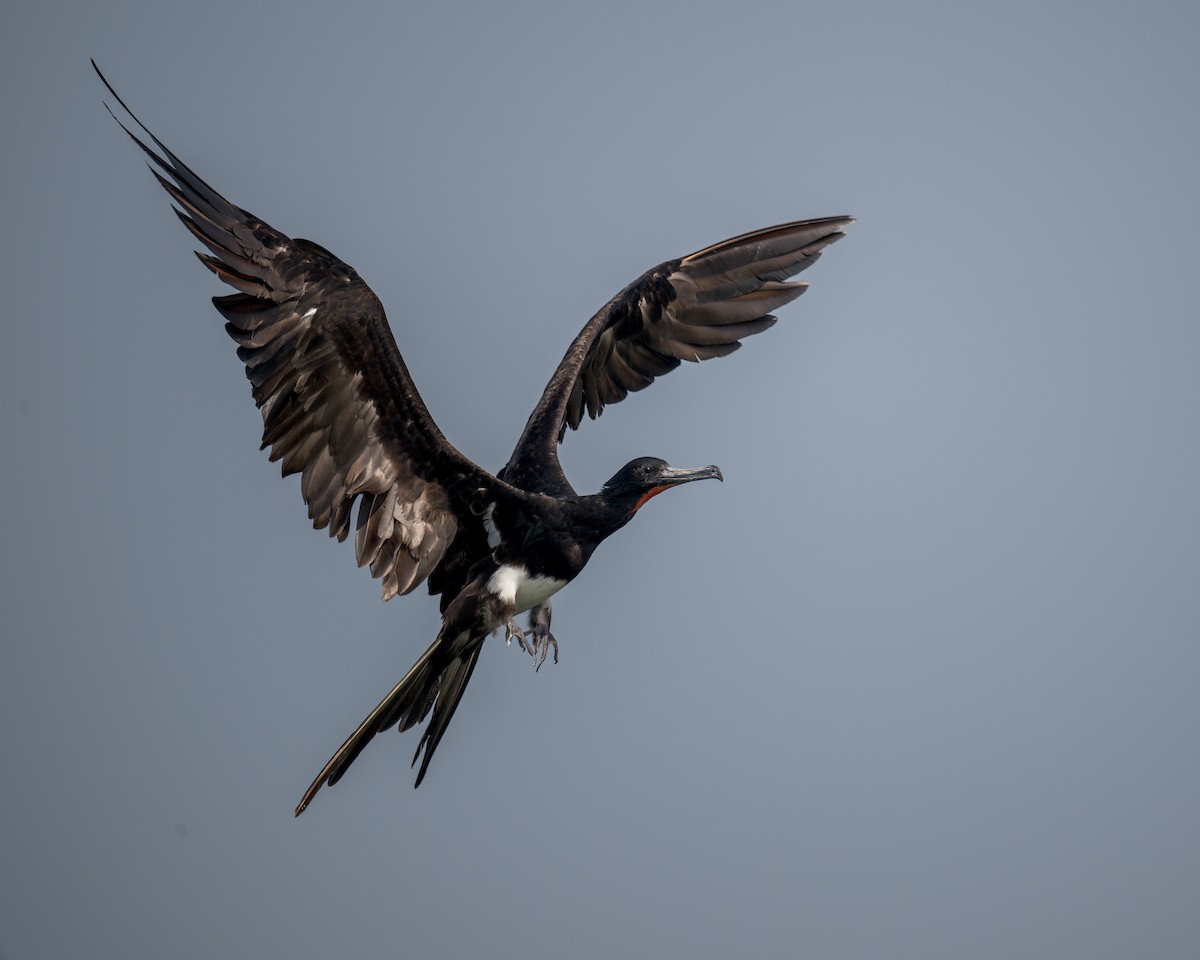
433 685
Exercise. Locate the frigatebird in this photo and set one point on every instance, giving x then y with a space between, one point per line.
340 408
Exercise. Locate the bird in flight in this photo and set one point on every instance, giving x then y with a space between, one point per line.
340 408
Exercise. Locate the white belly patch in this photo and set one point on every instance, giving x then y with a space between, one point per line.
513 584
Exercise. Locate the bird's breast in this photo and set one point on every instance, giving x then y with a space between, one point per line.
513 583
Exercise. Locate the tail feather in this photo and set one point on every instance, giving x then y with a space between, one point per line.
451 685
433 685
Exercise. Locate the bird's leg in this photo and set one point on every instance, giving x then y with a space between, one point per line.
543 639
499 611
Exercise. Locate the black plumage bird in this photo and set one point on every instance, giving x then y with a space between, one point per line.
340 408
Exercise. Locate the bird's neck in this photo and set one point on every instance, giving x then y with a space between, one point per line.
603 516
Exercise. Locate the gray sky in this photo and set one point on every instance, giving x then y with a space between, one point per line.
919 680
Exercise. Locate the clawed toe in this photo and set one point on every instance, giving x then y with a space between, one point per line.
512 630
543 642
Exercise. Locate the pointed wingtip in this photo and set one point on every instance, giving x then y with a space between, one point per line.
108 86
134 117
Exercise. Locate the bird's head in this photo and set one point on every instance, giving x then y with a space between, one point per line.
646 477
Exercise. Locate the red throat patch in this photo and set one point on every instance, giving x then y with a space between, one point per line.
652 492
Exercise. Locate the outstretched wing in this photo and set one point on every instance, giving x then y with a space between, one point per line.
695 308
338 404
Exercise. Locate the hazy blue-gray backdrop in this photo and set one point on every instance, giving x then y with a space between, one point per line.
919 680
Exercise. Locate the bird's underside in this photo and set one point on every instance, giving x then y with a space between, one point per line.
340 408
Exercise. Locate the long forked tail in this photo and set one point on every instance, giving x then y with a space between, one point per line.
434 685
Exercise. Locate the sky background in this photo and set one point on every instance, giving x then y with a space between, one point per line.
921 679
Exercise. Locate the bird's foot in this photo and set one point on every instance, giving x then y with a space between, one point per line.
542 642
512 630
543 639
